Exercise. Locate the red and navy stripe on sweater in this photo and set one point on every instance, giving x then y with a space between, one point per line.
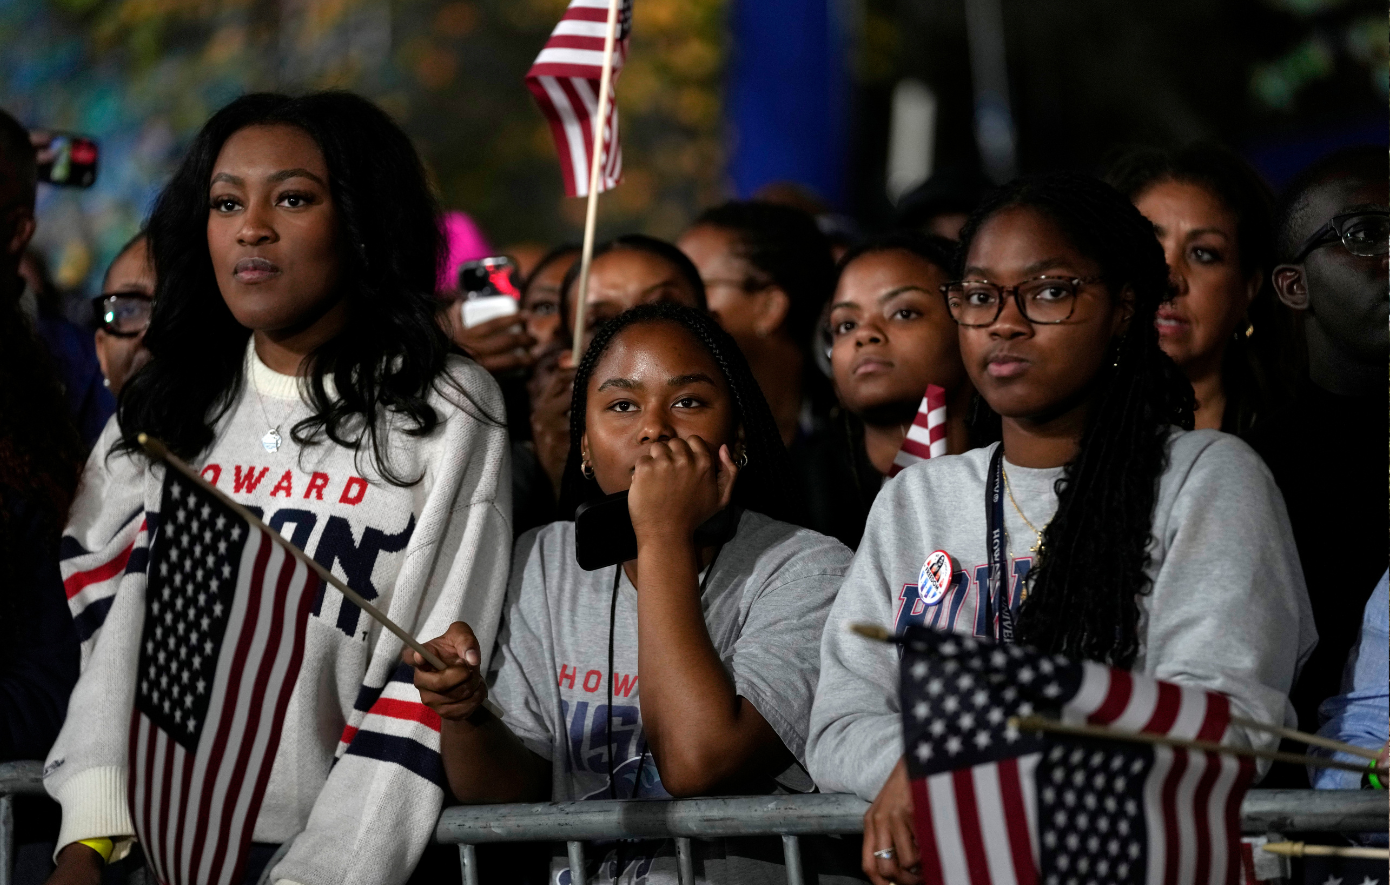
90 578
390 724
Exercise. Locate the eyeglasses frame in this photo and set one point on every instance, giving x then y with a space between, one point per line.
100 313
1006 291
1332 232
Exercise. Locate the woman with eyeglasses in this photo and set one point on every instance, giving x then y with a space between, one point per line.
1223 327
1125 537
123 313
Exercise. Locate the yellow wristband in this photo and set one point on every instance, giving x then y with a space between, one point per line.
104 847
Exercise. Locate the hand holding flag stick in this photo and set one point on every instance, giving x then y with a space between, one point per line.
157 450
1038 723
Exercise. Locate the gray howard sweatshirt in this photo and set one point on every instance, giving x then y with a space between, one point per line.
1228 611
765 601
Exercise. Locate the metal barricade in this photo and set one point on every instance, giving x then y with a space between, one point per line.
16 779
790 817
574 823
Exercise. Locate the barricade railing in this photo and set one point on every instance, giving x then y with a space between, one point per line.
789 817
574 823
16 779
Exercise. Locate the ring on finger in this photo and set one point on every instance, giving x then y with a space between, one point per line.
885 853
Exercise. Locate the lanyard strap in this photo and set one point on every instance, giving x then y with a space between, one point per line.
642 741
998 615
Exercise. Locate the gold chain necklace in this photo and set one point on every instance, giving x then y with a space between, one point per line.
1037 548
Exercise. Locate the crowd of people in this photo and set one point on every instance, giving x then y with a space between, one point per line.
1178 381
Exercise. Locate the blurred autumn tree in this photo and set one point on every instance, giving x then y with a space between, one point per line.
142 76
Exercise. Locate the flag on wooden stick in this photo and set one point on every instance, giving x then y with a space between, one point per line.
926 438
222 644
565 80
994 805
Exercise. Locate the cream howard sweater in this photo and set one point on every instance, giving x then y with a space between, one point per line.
357 780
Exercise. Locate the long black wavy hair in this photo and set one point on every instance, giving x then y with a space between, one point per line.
762 483
1084 599
390 354
1254 371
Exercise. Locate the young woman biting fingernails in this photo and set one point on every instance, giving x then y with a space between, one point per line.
687 671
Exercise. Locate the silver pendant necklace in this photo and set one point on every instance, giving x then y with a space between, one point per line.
271 440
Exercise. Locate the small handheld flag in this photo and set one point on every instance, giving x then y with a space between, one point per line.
565 80
996 804
220 651
926 438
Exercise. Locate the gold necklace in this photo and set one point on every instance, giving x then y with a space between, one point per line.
1037 548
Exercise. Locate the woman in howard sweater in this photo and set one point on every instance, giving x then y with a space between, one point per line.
296 363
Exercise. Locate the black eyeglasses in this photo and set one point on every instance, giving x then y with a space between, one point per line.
1043 300
123 314
1365 233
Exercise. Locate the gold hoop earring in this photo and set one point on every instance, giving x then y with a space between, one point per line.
586 469
742 460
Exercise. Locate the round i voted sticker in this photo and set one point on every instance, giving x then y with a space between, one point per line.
935 577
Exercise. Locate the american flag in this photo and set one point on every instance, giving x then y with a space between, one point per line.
223 639
994 806
926 438
565 81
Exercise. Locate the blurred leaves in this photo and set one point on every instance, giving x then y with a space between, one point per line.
1338 38
143 75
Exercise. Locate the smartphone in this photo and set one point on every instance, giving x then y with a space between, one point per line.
490 289
603 534
489 277
73 161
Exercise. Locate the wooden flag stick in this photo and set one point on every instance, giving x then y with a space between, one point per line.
1302 737
1302 849
599 123
879 634
157 450
872 631
1040 723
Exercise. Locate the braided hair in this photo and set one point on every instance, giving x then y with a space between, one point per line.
762 482
1085 592
785 246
